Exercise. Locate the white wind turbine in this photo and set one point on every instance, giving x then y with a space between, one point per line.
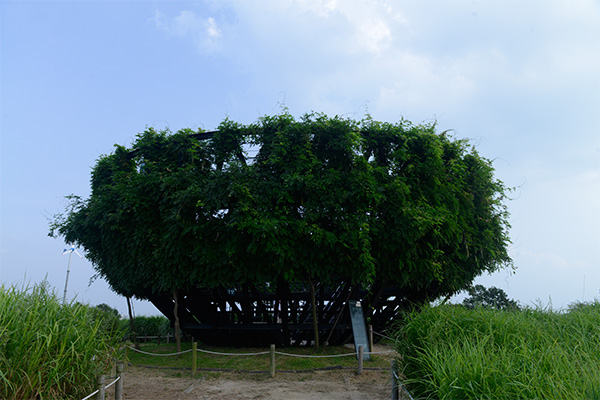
70 252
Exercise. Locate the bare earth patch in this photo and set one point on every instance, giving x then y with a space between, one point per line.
153 384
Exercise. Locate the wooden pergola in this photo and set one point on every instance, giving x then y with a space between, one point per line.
254 314
282 315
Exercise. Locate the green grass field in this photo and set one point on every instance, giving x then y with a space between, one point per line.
450 352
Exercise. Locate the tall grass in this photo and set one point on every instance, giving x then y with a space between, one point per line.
50 350
450 352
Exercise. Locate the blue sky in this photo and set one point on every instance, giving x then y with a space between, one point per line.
521 79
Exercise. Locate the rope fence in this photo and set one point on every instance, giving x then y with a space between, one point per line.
383 336
232 354
397 386
100 393
360 354
159 354
112 383
261 353
310 356
90 396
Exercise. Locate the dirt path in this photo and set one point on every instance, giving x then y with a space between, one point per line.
152 384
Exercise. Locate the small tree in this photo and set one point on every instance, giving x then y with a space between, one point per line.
110 317
492 297
109 310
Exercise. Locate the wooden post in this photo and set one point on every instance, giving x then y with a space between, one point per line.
370 331
119 384
101 388
194 358
176 323
313 303
361 351
131 325
395 391
272 372
126 352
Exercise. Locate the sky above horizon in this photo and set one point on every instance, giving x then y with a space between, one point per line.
520 79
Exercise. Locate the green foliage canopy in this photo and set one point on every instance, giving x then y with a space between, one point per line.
493 297
312 198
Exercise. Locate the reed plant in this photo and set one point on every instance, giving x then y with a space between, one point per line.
451 352
51 350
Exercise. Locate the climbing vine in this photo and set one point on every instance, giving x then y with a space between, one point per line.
308 199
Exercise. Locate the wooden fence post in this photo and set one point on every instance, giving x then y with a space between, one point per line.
361 352
370 329
119 384
272 372
395 389
101 389
194 358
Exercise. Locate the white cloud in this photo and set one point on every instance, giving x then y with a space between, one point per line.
341 28
417 81
159 20
372 25
204 32
373 35
212 29
321 8
403 57
185 23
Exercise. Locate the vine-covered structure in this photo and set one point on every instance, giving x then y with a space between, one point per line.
262 233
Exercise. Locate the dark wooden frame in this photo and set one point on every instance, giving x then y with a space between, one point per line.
247 315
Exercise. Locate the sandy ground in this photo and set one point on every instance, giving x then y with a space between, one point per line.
140 383
153 384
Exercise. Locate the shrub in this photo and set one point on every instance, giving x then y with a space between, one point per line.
148 326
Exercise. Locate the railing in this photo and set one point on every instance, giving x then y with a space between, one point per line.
100 393
398 390
272 352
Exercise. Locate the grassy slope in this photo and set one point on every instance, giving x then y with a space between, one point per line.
454 353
